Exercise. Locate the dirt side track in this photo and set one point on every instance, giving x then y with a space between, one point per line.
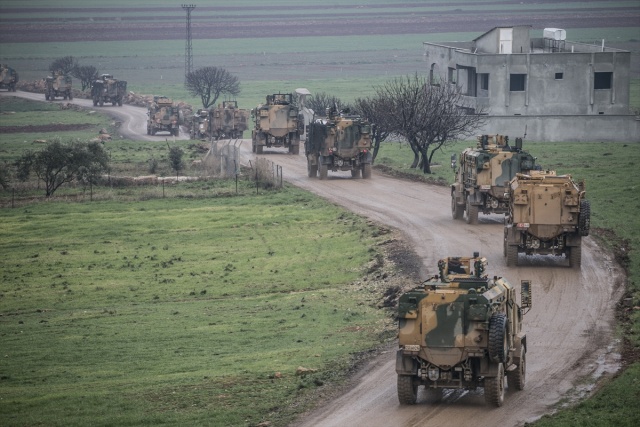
569 330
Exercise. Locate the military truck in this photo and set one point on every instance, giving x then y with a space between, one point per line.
200 125
461 329
228 121
277 124
482 174
108 89
163 116
340 142
548 215
8 78
57 85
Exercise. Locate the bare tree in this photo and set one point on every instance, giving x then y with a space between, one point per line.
86 74
210 82
58 163
321 101
376 112
427 116
66 64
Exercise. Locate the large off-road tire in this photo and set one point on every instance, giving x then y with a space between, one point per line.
296 150
119 102
366 171
498 344
494 388
323 170
70 96
101 102
456 209
472 213
355 173
176 132
575 256
584 220
95 102
46 96
512 254
312 170
407 389
516 378
259 149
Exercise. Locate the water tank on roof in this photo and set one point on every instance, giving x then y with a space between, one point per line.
554 34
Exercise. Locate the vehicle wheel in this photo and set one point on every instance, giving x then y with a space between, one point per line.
575 256
176 132
456 209
323 170
407 390
64 97
584 221
95 102
296 150
46 96
70 96
512 254
366 171
101 103
259 149
153 131
312 170
148 131
472 213
494 388
119 103
515 378
498 343
355 173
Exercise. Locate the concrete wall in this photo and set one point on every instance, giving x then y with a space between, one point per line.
577 128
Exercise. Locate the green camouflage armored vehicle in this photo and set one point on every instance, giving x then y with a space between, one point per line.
108 89
200 125
57 85
163 116
8 78
462 330
229 121
277 124
482 174
548 215
341 142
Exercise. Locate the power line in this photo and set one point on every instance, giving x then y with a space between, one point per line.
188 58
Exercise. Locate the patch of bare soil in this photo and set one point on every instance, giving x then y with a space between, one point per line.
45 128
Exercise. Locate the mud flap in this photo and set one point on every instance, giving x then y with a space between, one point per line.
488 369
405 365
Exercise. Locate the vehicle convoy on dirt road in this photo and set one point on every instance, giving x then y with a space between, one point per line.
57 85
462 330
277 124
8 78
108 89
548 214
163 116
482 174
339 142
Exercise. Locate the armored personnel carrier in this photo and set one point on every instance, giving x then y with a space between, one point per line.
462 330
57 85
340 142
8 78
277 124
548 215
108 89
482 174
229 121
163 116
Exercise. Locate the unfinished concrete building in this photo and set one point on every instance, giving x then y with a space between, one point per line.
557 89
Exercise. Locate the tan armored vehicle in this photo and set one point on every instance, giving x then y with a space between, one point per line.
8 78
229 121
462 330
163 116
548 215
57 85
483 172
108 89
341 142
277 124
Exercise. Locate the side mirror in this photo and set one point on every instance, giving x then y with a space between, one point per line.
453 161
525 294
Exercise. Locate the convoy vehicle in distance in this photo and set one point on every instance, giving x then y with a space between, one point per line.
228 121
462 330
57 85
108 89
163 116
277 124
8 78
482 174
548 215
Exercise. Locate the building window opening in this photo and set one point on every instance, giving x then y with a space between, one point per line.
602 80
484 81
517 82
452 75
559 76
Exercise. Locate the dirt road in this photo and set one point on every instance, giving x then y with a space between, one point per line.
570 328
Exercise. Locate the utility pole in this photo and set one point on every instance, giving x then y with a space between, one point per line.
188 59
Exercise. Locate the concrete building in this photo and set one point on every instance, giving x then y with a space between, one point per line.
559 90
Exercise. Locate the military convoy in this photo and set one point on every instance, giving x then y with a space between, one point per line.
277 124
482 174
163 116
339 142
108 89
8 78
225 121
57 85
200 127
462 330
548 215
